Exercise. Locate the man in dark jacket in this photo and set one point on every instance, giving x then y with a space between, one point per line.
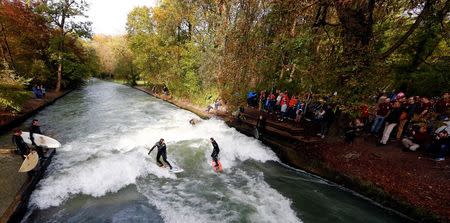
21 147
441 145
35 128
260 126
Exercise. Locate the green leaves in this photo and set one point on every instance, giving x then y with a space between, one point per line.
12 92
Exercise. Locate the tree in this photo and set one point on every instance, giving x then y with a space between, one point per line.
64 15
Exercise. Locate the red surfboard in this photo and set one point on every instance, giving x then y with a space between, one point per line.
216 169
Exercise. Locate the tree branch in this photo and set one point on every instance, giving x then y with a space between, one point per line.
416 24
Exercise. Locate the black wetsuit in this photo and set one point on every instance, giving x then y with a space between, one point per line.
21 147
215 153
35 129
162 151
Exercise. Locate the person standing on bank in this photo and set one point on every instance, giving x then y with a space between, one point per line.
215 153
22 148
35 128
162 151
260 126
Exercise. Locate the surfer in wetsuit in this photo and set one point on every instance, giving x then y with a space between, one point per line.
21 147
215 153
161 152
35 128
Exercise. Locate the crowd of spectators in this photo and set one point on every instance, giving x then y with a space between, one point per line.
415 122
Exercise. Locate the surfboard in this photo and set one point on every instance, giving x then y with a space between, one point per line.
176 170
216 169
30 162
41 140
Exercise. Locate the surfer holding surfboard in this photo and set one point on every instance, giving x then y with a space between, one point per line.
21 147
162 151
35 128
30 158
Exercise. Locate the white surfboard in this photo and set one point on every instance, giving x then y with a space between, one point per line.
176 170
175 167
41 140
30 162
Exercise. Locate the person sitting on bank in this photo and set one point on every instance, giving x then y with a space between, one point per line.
352 129
418 139
35 128
22 148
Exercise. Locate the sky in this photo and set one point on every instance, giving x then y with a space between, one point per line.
110 16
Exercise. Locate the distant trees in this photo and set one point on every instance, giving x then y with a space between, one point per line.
64 16
202 49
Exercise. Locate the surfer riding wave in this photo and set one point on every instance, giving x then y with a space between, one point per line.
215 153
162 151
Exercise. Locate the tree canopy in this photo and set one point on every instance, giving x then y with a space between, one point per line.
30 46
205 49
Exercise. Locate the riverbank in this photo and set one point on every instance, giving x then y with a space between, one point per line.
15 200
30 107
17 187
406 182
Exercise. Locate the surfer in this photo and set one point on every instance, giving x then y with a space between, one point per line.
161 152
21 147
215 153
194 121
35 128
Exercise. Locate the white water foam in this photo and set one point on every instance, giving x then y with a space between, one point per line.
112 154
91 166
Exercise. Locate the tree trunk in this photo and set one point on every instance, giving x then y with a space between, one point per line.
58 82
7 48
356 21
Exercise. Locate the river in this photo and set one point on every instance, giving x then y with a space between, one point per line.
102 173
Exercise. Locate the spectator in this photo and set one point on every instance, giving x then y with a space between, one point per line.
420 139
441 145
238 114
292 107
37 91
391 121
442 107
251 99
352 129
321 118
262 100
423 110
299 112
260 126
364 116
410 108
382 112
278 100
217 104
284 105
403 118
165 90
43 90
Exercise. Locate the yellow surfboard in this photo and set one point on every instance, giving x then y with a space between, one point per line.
30 162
